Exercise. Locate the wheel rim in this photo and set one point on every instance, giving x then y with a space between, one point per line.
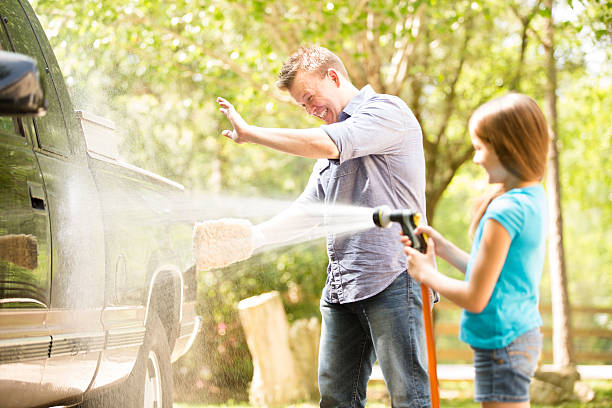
153 383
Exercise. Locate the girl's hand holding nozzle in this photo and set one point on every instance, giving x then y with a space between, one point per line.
420 265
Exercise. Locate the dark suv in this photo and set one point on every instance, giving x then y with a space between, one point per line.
97 284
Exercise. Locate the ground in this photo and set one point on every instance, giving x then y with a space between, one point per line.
452 394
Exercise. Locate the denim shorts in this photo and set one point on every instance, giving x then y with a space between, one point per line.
504 374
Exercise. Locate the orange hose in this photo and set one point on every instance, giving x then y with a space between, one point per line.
431 347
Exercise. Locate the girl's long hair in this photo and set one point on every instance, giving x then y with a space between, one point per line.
515 127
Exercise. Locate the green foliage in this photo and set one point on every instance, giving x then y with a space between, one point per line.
586 146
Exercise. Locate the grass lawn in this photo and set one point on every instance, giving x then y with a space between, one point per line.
452 394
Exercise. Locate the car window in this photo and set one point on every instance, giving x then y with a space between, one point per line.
24 224
50 129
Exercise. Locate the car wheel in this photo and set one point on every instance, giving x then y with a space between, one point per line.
156 380
150 385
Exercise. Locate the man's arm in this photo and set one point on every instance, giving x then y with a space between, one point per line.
312 143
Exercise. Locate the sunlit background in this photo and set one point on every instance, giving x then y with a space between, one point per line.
155 69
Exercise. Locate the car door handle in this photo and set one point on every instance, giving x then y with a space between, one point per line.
37 196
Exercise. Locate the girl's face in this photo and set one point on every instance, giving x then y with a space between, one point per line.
486 157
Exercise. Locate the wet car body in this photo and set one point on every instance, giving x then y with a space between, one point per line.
97 286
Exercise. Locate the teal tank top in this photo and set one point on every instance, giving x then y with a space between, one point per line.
513 307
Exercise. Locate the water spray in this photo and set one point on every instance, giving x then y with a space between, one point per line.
383 216
221 242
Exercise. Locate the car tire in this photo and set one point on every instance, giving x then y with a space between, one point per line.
156 382
150 384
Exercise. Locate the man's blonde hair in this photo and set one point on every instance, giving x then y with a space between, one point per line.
309 59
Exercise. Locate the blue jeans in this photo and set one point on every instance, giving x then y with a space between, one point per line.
387 326
504 374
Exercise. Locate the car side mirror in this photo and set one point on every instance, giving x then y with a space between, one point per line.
20 90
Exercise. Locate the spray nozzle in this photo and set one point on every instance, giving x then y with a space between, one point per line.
383 216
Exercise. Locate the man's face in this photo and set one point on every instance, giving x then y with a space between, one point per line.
319 96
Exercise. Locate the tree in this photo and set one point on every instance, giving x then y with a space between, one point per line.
563 350
431 55
560 384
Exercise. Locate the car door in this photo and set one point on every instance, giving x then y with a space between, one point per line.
24 266
76 298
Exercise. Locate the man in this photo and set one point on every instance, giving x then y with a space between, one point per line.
370 153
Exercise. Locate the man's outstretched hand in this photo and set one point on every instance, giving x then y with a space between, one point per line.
312 143
239 133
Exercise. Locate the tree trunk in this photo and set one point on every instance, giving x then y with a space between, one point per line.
304 336
276 379
562 383
563 351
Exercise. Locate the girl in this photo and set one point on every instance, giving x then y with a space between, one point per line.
499 295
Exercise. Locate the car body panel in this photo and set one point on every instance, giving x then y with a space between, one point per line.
102 250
